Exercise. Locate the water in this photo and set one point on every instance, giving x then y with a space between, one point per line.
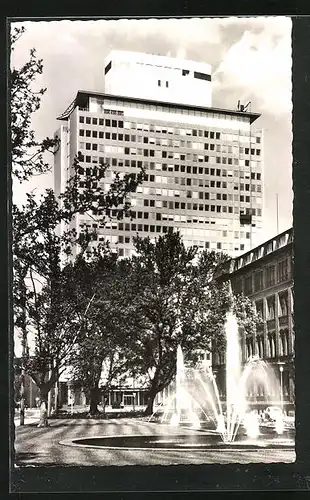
196 400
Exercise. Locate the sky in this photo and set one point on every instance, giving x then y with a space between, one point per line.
250 59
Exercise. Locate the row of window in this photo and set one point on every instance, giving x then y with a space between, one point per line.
168 154
102 103
270 313
223 136
101 121
199 195
164 167
189 181
161 217
128 240
224 148
192 219
264 278
159 82
120 162
268 349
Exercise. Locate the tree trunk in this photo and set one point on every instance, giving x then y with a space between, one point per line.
22 398
43 408
150 402
94 400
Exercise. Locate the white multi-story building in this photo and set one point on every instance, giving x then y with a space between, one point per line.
204 165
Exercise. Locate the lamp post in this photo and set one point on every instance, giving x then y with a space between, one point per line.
281 386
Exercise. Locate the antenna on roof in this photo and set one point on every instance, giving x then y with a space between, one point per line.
243 107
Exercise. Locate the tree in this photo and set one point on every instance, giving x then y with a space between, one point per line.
41 303
177 301
97 359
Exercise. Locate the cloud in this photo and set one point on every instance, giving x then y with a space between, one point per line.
259 64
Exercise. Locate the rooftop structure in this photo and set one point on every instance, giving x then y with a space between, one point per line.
161 78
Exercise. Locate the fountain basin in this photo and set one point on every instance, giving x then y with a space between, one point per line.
198 442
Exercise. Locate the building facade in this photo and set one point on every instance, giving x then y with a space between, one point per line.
265 275
203 165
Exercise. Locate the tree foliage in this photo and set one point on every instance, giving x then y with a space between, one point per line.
177 301
27 150
43 307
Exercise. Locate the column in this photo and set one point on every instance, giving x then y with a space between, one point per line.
266 346
276 317
290 322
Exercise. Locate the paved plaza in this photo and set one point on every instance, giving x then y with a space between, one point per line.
44 446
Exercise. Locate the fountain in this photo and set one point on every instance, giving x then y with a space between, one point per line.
196 401
205 420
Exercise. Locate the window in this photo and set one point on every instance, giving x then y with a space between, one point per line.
248 285
260 310
283 270
283 303
270 275
167 84
258 281
272 345
261 354
271 308
159 83
202 76
108 67
81 119
284 335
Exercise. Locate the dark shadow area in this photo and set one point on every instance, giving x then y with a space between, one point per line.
99 416
23 456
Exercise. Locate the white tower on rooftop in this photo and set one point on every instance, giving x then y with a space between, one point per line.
160 78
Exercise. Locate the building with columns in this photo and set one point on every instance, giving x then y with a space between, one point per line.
265 275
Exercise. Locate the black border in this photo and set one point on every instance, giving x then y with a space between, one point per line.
255 477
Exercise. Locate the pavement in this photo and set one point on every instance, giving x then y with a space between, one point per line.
44 446
32 416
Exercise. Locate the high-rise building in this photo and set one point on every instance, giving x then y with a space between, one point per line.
204 168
